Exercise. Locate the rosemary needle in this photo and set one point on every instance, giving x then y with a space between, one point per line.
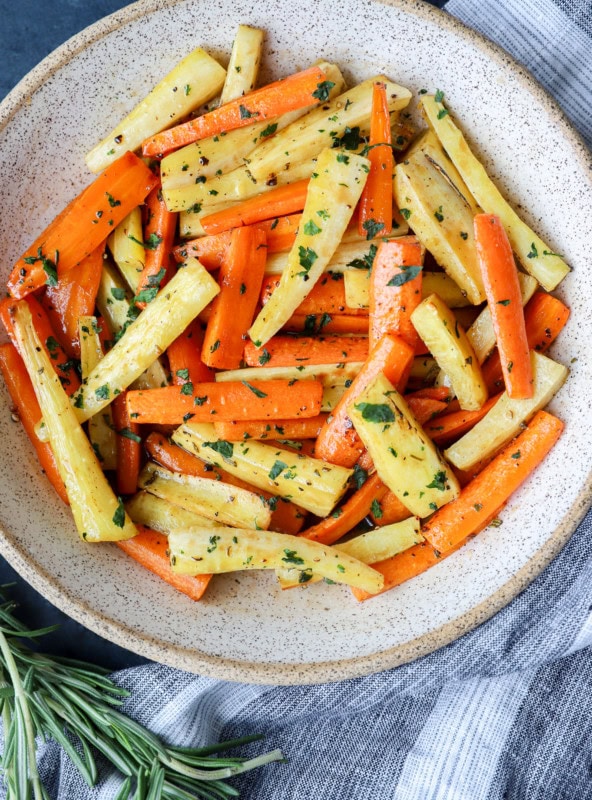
75 704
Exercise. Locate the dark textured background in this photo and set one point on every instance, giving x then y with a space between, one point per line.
29 31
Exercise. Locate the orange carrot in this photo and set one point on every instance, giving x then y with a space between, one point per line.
395 289
502 288
209 250
306 88
64 367
278 429
434 392
129 446
415 560
229 401
494 484
350 514
328 323
74 297
234 308
150 549
295 351
448 427
159 232
544 319
425 408
376 202
87 222
280 231
185 357
24 399
338 441
274 203
389 509
286 517
327 296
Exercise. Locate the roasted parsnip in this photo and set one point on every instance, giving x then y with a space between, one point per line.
333 192
309 482
243 67
448 343
357 292
440 210
370 548
215 500
198 550
165 318
194 81
100 427
507 416
163 516
535 256
127 248
322 128
404 456
99 515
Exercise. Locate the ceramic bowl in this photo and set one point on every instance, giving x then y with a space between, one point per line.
245 628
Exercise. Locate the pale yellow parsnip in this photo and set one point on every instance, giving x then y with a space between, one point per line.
335 188
98 514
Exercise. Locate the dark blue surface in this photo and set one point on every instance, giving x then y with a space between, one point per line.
30 30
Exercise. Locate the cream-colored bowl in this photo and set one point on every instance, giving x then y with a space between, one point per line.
245 628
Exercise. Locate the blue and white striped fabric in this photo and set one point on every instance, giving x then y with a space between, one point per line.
506 711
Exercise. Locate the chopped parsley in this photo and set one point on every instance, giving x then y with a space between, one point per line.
406 274
375 412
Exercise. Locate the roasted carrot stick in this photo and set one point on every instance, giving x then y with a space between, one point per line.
338 441
544 319
448 427
278 429
65 367
185 357
494 484
159 233
285 516
86 222
389 509
299 90
395 289
347 516
327 323
229 401
295 351
74 297
500 279
425 408
234 308
434 392
376 202
150 549
24 399
327 296
274 203
129 446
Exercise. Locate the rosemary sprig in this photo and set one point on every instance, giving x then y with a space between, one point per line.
76 704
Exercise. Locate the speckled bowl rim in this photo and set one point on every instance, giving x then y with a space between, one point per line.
295 674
